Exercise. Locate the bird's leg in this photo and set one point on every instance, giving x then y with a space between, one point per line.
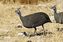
60 20
35 30
44 30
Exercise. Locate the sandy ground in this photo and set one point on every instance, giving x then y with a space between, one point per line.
9 20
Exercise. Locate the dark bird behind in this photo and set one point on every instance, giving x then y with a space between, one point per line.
33 20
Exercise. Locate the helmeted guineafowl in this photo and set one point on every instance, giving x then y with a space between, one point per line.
58 16
33 20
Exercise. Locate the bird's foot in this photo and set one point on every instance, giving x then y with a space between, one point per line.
44 33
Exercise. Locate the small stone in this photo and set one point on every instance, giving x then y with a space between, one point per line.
29 41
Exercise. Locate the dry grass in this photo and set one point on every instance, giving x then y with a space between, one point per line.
9 21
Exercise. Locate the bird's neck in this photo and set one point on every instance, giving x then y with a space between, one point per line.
55 11
21 17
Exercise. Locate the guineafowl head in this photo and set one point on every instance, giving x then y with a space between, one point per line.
53 7
18 11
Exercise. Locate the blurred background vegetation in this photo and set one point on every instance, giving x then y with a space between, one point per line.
25 1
